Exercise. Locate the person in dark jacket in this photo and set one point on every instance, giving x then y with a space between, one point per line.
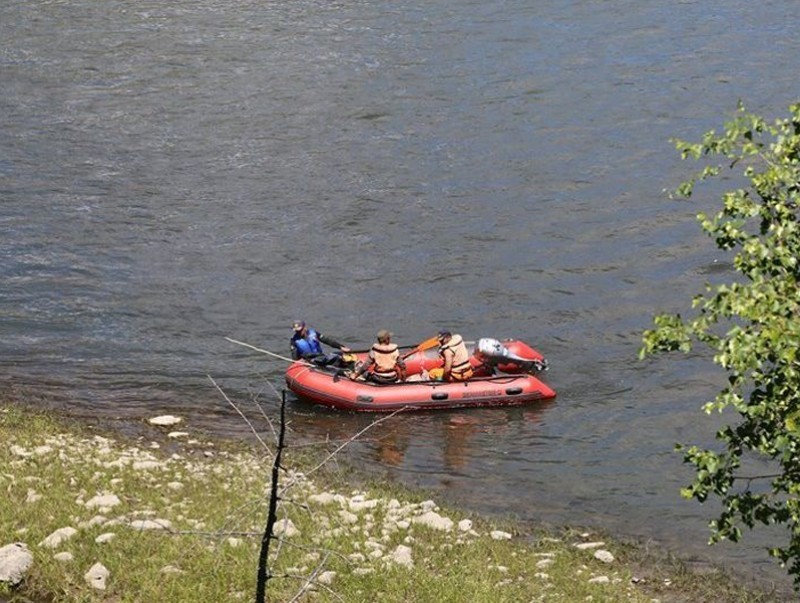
306 344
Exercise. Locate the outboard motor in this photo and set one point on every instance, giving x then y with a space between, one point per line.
522 359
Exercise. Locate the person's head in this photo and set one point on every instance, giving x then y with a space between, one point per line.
384 336
299 326
444 336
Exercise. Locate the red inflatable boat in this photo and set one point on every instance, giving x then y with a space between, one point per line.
505 375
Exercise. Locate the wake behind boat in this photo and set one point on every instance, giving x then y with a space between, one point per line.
505 374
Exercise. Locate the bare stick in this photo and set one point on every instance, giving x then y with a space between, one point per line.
344 445
263 571
241 414
267 352
311 580
255 397
269 421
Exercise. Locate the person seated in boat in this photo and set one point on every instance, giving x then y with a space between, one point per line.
306 344
383 363
455 357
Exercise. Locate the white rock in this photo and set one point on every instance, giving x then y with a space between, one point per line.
234 542
402 556
171 569
360 505
57 537
599 580
175 485
604 556
363 571
285 528
433 520
326 577
103 500
348 517
325 498
151 524
106 537
33 496
428 505
145 465
15 561
63 556
583 546
94 521
542 563
20 451
165 420
96 576
465 525
500 535
178 434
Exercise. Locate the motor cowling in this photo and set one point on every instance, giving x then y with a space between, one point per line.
510 356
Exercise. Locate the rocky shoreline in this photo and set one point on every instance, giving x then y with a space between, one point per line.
114 495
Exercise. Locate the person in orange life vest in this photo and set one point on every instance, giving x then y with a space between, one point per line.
383 363
455 356
306 344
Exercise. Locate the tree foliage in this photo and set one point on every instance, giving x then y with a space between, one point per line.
752 326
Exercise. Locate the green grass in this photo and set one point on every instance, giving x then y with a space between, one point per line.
213 496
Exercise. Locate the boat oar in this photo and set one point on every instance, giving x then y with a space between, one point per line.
425 345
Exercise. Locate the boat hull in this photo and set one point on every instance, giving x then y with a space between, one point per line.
328 387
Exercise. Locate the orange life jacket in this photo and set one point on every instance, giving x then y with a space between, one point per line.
384 357
460 368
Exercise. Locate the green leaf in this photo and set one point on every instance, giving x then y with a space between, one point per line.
750 326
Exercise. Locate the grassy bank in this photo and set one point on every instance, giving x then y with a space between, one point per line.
176 517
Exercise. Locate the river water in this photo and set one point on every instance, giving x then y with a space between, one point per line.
175 173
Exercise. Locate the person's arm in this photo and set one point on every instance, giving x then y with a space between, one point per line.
295 351
333 343
362 367
448 364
